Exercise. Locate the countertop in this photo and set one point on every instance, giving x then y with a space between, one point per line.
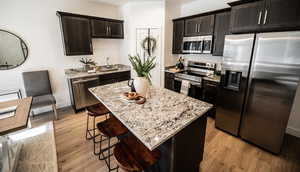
38 152
213 78
19 121
78 73
164 114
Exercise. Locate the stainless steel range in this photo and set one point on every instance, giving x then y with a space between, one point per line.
195 71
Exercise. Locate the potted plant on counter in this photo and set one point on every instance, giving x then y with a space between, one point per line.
142 68
86 63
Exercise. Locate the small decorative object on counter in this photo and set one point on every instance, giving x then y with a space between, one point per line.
179 64
131 85
142 68
133 96
87 62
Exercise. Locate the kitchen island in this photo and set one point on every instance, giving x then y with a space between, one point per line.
173 123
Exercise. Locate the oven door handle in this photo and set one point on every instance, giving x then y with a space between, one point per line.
85 80
191 82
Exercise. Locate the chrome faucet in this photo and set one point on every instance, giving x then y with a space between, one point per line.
107 61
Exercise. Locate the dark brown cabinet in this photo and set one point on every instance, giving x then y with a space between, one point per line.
77 35
178 33
169 81
78 31
116 29
246 17
283 14
222 22
207 25
265 15
199 26
107 29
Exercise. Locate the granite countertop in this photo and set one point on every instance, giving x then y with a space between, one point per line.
38 152
78 73
164 114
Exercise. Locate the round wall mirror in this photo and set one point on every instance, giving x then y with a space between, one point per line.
13 50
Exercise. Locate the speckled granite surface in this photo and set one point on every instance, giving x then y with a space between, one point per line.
38 153
163 115
73 74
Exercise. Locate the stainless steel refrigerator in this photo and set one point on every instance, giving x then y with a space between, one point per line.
260 77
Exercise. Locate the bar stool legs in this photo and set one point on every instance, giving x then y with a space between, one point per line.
94 112
109 129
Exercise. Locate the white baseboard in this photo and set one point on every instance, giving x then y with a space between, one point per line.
293 131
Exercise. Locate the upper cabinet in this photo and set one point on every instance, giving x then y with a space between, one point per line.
246 17
281 14
78 31
77 35
107 29
222 21
178 33
265 15
199 26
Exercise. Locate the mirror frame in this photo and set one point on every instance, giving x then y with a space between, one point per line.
23 45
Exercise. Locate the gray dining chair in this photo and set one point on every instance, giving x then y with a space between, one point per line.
37 85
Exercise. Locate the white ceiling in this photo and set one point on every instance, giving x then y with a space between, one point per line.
122 2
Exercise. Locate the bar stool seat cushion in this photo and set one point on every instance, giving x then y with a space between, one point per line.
97 110
131 155
112 127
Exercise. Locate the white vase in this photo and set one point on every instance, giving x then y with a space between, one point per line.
141 85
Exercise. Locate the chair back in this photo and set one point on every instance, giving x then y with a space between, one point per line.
37 83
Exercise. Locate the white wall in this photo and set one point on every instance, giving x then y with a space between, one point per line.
141 15
36 22
175 9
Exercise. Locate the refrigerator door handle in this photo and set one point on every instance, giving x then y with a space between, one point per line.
259 17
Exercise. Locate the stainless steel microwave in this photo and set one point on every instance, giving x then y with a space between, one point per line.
197 44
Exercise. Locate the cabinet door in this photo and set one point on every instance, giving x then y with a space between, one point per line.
178 33
192 26
281 14
115 29
77 35
247 17
221 29
206 26
99 28
169 81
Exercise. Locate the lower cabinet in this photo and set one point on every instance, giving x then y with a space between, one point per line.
169 81
209 95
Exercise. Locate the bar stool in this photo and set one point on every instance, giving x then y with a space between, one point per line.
94 111
132 156
111 128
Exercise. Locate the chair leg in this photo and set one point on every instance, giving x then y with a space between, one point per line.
55 111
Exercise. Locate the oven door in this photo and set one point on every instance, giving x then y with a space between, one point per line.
207 44
195 90
192 45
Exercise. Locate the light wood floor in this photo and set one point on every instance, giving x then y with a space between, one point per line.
223 152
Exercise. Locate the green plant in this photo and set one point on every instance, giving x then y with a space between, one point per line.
87 61
142 67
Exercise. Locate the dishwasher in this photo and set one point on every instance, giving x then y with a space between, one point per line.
82 97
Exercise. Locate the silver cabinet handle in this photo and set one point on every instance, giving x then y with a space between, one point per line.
199 28
106 30
196 29
266 15
259 17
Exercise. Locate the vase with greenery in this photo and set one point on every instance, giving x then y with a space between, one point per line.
86 63
142 67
